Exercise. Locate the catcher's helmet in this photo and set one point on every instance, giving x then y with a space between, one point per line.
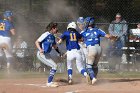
89 21
7 14
71 25
80 20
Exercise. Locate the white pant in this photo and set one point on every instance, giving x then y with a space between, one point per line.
75 54
46 59
83 50
94 54
5 44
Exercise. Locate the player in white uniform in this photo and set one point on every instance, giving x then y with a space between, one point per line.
44 45
6 30
73 50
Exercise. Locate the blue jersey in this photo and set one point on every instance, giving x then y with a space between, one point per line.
47 40
71 38
92 36
5 27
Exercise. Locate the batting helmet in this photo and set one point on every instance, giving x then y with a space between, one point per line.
7 14
80 20
71 25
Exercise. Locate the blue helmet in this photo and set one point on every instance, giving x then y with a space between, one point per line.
80 20
89 21
7 14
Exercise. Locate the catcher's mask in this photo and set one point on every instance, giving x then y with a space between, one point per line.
80 20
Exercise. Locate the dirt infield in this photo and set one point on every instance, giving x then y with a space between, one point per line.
37 85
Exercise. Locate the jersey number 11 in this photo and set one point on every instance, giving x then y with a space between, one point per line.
72 37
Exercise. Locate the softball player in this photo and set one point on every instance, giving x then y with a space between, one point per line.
6 30
73 50
80 25
44 45
92 40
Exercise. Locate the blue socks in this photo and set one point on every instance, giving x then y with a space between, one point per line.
70 73
90 71
83 72
52 72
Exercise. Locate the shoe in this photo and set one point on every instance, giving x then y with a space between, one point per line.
93 81
52 84
88 80
70 81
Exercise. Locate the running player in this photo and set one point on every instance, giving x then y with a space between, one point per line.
6 30
73 50
44 45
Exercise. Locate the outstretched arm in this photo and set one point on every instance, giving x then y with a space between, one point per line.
112 38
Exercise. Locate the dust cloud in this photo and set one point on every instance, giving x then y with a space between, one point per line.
61 10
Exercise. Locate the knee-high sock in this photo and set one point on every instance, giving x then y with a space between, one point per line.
51 75
83 72
90 71
70 73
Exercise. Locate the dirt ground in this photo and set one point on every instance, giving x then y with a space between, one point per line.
37 85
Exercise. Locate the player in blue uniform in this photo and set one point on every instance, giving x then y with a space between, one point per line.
73 50
80 28
91 36
44 45
6 31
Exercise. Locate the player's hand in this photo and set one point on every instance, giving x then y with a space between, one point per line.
61 54
60 41
41 51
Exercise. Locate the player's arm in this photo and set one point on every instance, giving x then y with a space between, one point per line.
111 37
37 43
39 40
60 41
107 36
62 37
12 29
57 50
13 32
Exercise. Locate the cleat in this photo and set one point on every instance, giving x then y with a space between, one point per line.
70 81
52 84
88 80
93 81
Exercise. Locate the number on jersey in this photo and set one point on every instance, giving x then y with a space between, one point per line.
72 37
2 26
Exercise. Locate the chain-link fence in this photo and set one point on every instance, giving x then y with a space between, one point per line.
32 16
